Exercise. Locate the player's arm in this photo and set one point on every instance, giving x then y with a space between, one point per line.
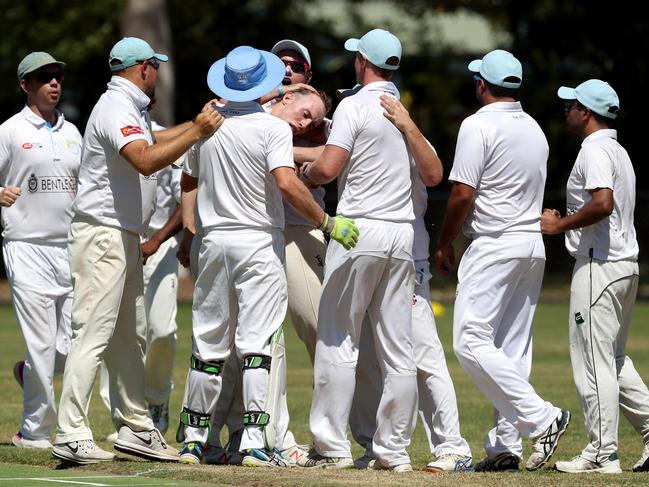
148 159
307 154
172 132
459 204
276 93
600 206
428 163
327 167
189 189
170 228
9 195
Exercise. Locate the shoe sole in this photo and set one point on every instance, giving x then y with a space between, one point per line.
441 470
27 446
554 446
189 459
140 451
592 470
67 457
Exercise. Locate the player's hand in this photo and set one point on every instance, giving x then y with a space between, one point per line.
208 121
302 170
149 248
185 247
345 232
550 220
444 259
396 113
9 195
213 103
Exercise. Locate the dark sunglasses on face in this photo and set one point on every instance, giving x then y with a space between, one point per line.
154 63
297 66
46 76
569 105
476 78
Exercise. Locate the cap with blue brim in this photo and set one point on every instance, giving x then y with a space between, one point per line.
380 47
499 68
594 94
131 51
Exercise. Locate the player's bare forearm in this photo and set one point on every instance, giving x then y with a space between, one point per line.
173 225
599 207
459 204
306 154
171 132
327 166
298 195
189 189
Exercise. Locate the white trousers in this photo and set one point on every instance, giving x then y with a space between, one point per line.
437 400
239 302
109 323
602 295
41 291
376 277
499 280
305 253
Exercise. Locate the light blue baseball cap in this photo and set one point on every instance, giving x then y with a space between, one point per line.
131 51
245 74
291 45
35 60
380 47
499 68
594 94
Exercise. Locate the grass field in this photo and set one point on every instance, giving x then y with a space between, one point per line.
551 377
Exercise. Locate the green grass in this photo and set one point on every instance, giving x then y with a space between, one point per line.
551 377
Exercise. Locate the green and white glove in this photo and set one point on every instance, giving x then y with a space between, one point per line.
342 230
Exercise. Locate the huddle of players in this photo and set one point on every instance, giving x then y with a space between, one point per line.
374 307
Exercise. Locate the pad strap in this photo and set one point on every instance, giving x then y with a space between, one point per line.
256 418
253 361
214 368
191 419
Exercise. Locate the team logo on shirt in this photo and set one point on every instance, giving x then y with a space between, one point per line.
32 145
52 184
73 146
131 130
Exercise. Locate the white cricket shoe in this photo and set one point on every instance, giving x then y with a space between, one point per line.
20 441
451 462
544 446
315 460
294 454
112 438
146 444
260 457
580 465
83 452
642 465
378 465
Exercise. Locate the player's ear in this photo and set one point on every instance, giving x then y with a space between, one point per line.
23 86
288 98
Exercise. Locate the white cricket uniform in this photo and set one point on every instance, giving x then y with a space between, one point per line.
113 206
602 294
502 153
375 277
43 160
437 400
240 290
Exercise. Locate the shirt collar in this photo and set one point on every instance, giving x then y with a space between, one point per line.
38 121
502 106
128 88
241 107
611 133
385 86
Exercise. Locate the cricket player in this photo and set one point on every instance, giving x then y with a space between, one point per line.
600 235
240 295
112 208
40 153
370 157
437 401
499 175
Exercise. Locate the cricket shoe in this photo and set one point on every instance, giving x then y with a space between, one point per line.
451 462
112 438
21 442
191 453
260 457
642 465
83 452
160 416
378 465
19 369
503 462
315 460
363 462
544 446
294 454
146 444
580 465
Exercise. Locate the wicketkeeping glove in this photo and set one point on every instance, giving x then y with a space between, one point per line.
342 230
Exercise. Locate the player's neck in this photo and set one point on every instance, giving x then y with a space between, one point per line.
45 112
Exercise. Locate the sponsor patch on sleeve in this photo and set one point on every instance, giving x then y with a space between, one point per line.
131 130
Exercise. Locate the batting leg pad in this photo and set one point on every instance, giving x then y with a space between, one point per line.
214 368
255 418
191 419
256 361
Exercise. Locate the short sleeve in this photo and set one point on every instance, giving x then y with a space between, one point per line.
123 126
597 167
344 125
279 146
190 167
175 183
469 161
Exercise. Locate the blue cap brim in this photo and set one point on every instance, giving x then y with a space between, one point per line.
161 57
474 66
566 93
275 71
352 44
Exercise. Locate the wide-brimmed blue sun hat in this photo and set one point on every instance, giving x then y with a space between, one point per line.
594 94
245 74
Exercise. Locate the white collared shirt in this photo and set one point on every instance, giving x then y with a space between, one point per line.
43 161
111 191
502 153
603 163
375 182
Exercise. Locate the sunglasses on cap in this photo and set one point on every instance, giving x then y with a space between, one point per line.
154 63
297 66
46 76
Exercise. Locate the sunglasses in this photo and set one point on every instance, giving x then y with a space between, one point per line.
46 76
154 63
476 78
297 66
569 105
